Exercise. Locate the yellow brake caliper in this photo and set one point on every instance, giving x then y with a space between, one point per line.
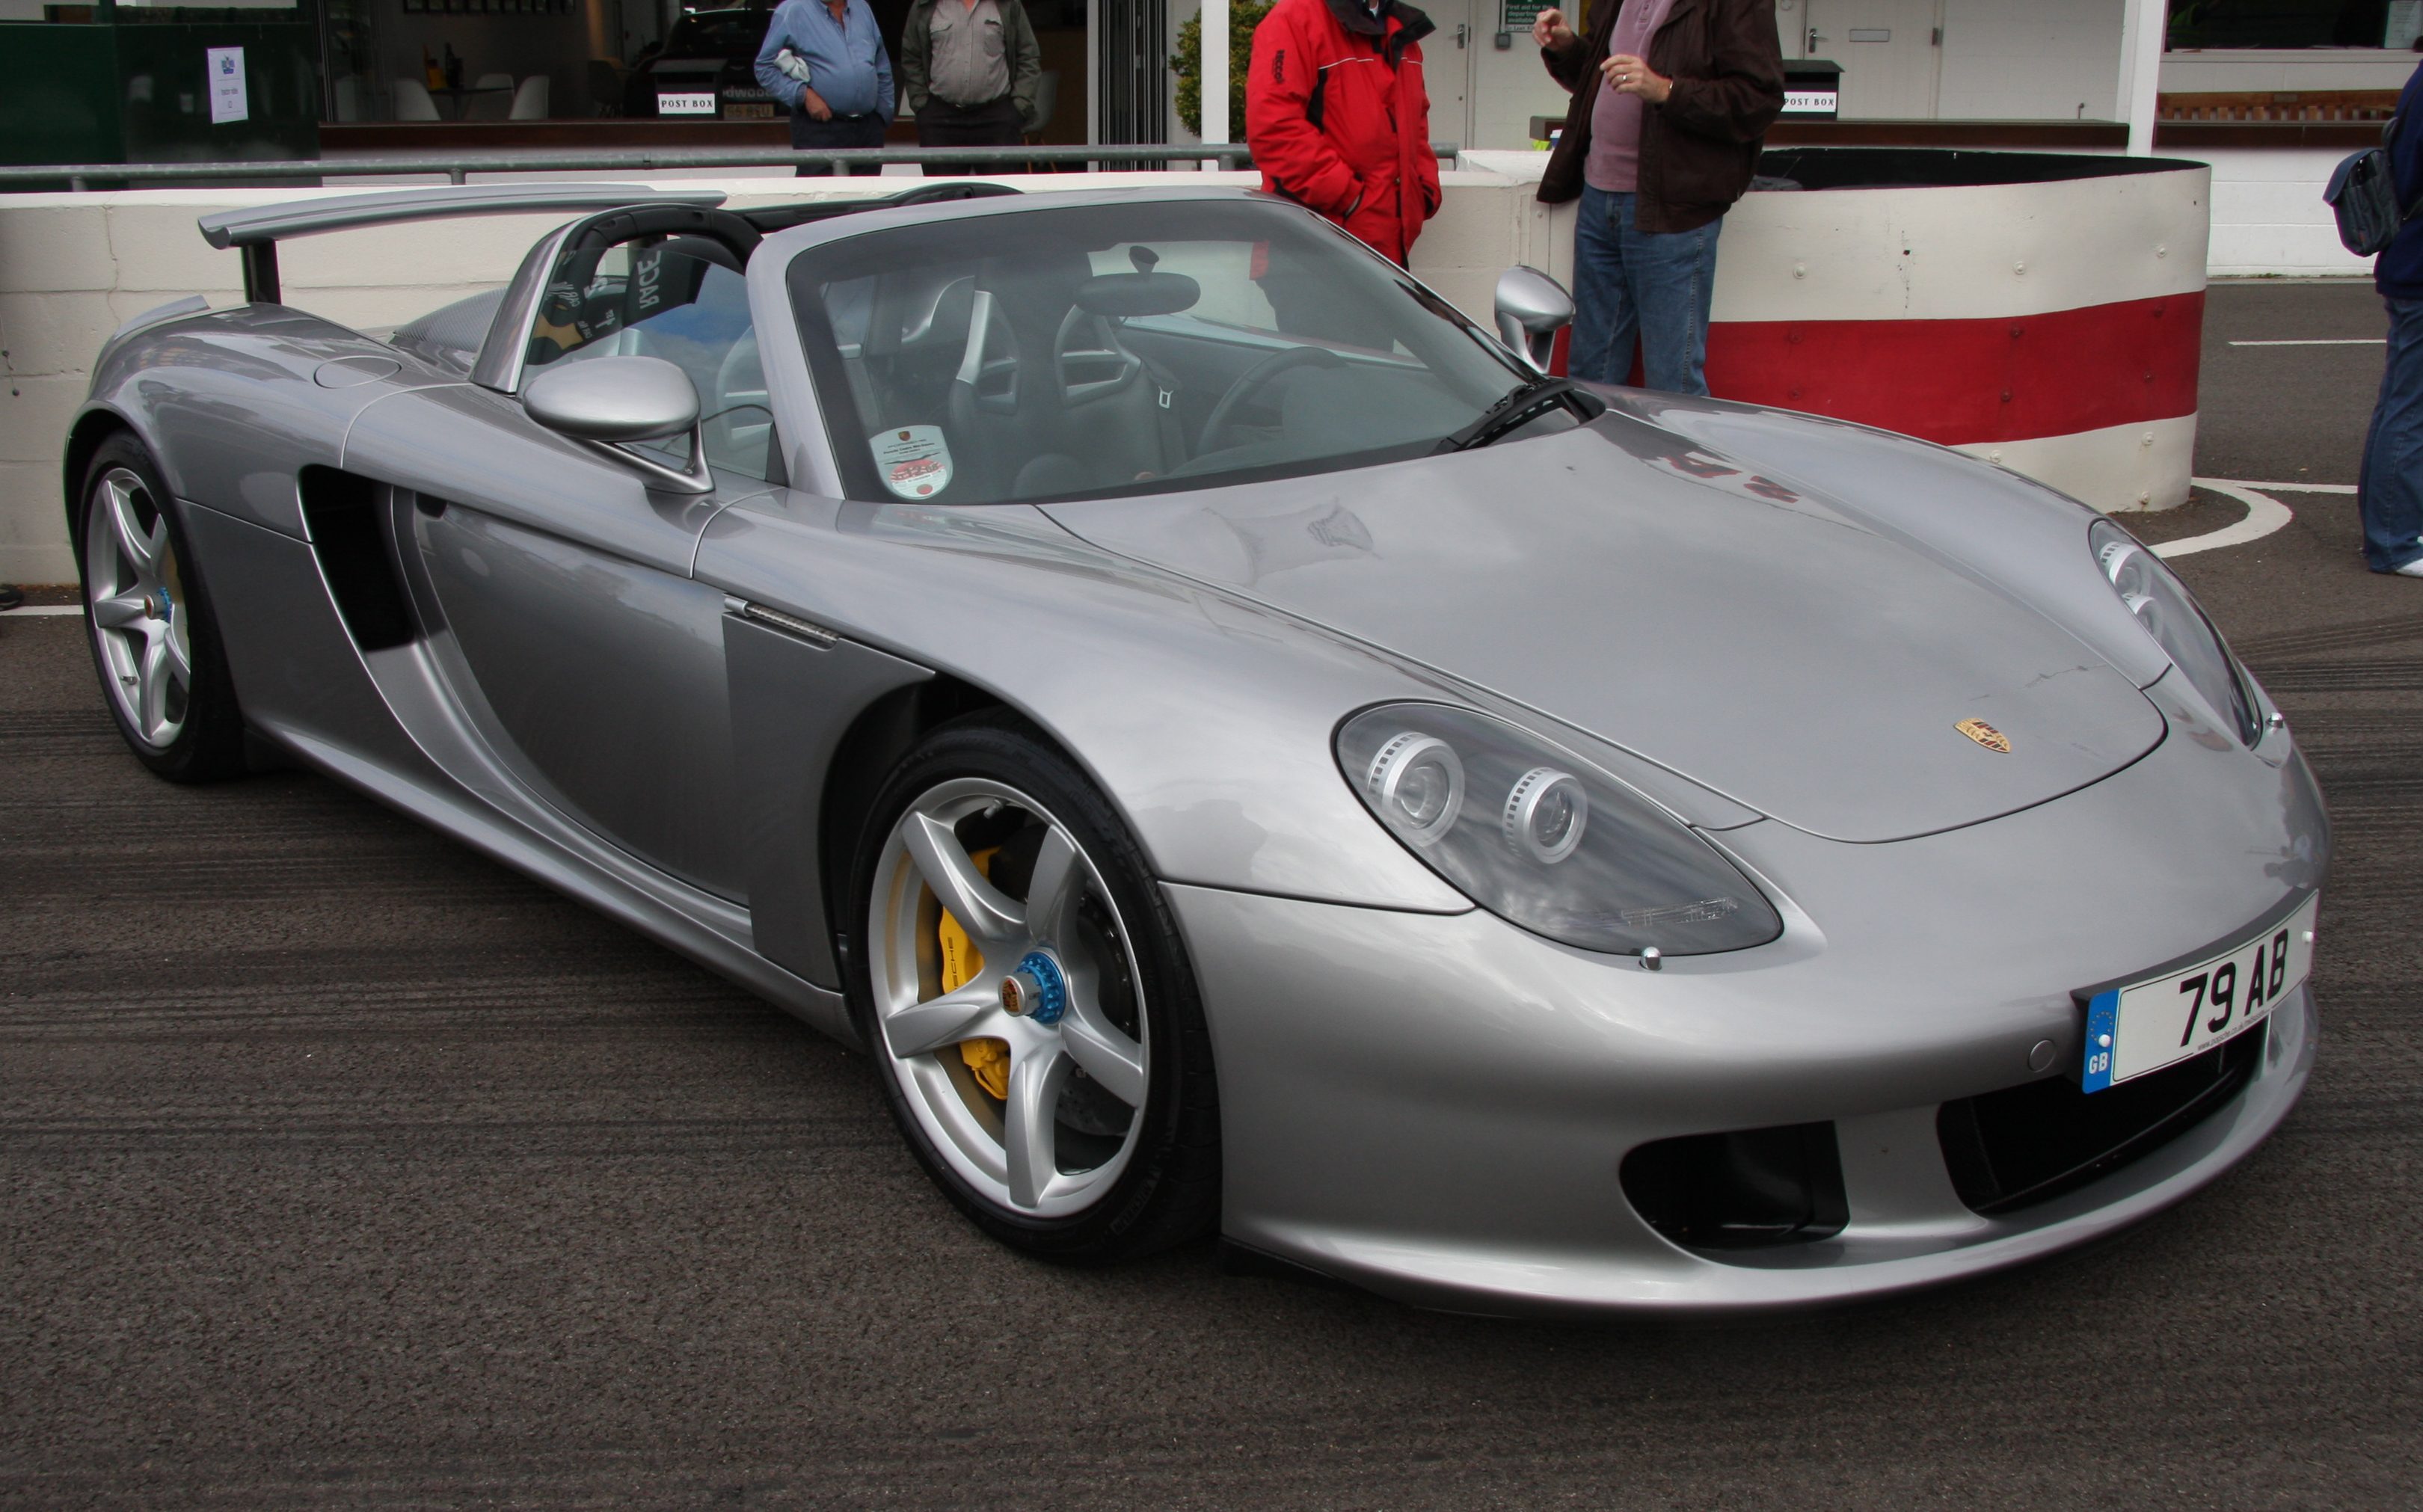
986 1060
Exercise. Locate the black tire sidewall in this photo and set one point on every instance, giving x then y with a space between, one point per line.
210 744
1166 1195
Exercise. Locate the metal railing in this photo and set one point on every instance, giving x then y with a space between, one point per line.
459 166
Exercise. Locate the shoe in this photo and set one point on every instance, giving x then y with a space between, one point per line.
10 597
2412 569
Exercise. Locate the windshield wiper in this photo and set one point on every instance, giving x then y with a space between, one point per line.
1521 405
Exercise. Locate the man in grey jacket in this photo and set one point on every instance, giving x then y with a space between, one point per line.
969 69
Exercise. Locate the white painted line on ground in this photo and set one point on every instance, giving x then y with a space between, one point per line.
2276 488
45 608
2264 514
2335 340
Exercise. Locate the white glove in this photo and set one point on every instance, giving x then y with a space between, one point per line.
794 65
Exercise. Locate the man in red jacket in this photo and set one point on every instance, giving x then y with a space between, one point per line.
1339 120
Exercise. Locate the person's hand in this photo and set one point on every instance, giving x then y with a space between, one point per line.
814 103
1550 32
1632 75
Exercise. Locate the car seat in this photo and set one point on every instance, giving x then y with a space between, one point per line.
1047 398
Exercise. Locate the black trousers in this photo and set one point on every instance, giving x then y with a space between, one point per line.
993 124
842 131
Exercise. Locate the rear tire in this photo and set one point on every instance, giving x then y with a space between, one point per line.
1096 1138
148 622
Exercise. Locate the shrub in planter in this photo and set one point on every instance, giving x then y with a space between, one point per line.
1186 64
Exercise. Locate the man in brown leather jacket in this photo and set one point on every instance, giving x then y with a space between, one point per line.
1670 99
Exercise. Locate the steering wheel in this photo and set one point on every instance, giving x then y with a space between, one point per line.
1215 430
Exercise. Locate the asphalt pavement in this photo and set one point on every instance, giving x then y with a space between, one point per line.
340 1167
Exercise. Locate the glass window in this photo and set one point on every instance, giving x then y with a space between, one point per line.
682 299
2294 24
1096 350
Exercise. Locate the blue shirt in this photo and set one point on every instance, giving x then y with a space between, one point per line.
2399 272
846 64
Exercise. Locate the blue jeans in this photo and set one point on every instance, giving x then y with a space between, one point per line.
2389 492
1630 284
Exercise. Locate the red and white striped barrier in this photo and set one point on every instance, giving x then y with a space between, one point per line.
2053 327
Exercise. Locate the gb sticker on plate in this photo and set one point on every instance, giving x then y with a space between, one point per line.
914 460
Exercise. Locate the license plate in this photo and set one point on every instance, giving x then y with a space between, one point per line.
2144 1026
699 104
758 111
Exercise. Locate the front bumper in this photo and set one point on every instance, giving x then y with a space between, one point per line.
1436 1108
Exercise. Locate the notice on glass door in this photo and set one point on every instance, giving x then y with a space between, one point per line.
225 66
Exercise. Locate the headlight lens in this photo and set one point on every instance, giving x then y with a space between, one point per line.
1417 784
1542 840
2162 605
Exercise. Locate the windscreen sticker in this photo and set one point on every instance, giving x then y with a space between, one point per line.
914 460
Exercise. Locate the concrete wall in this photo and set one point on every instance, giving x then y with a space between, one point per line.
2268 216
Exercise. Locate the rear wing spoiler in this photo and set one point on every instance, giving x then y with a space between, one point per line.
257 229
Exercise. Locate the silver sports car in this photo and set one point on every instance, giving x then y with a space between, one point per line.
1243 748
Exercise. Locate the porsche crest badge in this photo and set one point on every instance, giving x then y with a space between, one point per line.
1985 736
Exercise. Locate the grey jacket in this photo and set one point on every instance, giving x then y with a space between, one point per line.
1025 55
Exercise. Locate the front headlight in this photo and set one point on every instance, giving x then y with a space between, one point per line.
2162 605
1541 838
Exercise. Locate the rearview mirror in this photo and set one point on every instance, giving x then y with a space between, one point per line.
1531 308
609 402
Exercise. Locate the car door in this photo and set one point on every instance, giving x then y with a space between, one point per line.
554 577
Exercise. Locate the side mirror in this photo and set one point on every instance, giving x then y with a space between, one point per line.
609 402
1531 308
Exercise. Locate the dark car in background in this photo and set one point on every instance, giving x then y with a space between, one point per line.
707 71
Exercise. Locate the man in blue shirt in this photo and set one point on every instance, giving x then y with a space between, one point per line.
846 99
2390 490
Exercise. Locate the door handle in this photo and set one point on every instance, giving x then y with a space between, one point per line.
1462 34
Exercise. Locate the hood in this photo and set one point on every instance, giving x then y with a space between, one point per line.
1767 644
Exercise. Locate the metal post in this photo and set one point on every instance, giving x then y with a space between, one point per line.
2141 71
1216 71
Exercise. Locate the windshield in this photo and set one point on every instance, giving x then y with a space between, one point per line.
1101 349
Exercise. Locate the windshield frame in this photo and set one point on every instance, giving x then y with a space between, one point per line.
831 459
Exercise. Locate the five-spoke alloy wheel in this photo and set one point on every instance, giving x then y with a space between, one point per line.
153 643
1023 990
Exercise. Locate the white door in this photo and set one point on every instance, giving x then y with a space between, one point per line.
1891 52
1446 69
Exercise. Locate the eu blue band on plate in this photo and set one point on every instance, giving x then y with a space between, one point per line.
2102 1031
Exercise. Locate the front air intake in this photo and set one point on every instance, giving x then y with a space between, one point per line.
2030 1143
1743 1189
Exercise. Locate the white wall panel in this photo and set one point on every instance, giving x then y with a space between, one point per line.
2248 69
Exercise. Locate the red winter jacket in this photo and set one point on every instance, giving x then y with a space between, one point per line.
1339 120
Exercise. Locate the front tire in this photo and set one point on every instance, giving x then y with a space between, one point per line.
154 643
1075 1116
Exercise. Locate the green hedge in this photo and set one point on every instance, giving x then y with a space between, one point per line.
1187 65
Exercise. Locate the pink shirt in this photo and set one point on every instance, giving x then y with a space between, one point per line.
1614 162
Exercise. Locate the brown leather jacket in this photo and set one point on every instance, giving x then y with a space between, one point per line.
1698 150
